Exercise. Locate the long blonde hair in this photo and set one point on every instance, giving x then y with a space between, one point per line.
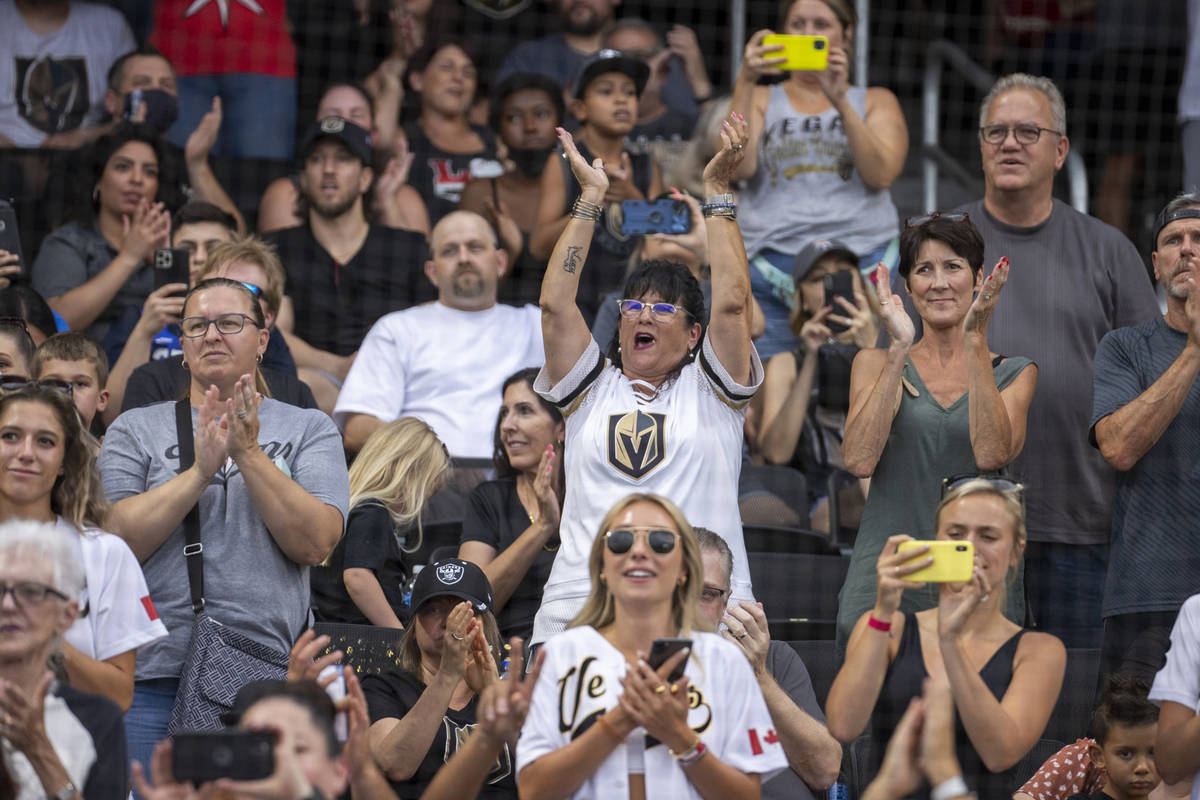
600 609
401 466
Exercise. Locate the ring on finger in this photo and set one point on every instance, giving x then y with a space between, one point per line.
674 688
662 687
457 638
241 414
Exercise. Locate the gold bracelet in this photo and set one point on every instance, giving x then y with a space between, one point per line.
610 728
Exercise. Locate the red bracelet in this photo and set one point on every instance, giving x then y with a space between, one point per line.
877 625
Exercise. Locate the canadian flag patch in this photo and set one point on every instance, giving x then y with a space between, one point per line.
151 611
756 745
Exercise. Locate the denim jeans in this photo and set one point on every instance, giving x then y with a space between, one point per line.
1065 587
146 720
258 113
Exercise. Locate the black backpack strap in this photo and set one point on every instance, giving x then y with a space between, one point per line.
193 550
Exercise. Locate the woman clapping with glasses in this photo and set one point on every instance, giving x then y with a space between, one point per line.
923 410
270 487
604 723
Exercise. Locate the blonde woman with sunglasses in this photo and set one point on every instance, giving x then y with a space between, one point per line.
604 723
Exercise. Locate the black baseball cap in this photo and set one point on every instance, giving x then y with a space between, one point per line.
814 251
455 578
356 138
609 60
1164 219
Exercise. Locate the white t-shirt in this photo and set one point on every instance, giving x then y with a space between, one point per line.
685 444
443 366
1179 679
581 679
56 82
120 616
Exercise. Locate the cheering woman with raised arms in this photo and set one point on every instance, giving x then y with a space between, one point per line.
663 411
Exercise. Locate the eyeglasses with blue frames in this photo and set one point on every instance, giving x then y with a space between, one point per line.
620 540
29 593
1025 133
659 312
227 324
916 222
10 383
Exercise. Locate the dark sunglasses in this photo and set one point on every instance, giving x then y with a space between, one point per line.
916 222
10 383
1000 484
620 540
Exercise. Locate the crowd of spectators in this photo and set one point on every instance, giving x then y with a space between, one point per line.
226 426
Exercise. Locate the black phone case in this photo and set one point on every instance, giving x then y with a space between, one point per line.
663 649
838 284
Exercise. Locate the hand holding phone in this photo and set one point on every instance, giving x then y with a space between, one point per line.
663 649
838 284
953 560
209 756
10 245
802 53
171 265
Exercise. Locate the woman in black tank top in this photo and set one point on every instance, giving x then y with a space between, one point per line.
1004 680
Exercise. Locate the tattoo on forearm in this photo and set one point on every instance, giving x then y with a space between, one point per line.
571 263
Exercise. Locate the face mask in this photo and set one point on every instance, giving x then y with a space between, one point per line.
530 163
162 108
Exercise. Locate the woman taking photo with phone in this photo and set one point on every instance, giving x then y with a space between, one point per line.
603 722
942 406
1004 679
820 158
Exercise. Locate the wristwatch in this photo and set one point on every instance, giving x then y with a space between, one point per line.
67 792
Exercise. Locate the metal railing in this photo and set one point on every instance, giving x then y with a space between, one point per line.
934 158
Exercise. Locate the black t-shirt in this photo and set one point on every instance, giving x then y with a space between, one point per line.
107 779
440 176
336 304
166 379
392 694
495 516
370 543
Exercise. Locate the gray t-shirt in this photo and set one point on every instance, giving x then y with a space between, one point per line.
249 584
1155 555
785 666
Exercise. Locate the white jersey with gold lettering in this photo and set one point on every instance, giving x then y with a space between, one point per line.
581 679
684 444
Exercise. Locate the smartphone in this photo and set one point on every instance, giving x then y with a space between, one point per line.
10 235
171 265
640 217
838 284
336 691
241 755
803 53
953 561
663 649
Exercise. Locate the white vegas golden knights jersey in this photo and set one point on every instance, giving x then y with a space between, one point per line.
685 444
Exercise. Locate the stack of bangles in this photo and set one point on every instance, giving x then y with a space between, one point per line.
691 756
586 210
720 205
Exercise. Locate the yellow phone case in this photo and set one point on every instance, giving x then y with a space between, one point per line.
808 53
953 561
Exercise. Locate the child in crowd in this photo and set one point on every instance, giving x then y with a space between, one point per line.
73 358
1117 763
605 100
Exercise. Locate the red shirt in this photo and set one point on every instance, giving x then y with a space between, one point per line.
225 36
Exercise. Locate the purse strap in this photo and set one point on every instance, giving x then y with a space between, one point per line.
193 550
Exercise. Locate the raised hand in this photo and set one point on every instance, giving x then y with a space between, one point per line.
746 626
681 41
10 268
200 143
503 705
545 486
835 78
861 328
510 233
212 434
480 671
656 705
814 332
759 60
719 171
301 663
696 239
620 181
456 640
980 312
149 228
891 309
163 306
241 417
891 571
593 179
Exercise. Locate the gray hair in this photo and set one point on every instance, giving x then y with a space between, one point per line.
1034 83
46 543
711 542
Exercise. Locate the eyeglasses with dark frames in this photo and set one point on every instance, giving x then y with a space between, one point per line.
11 383
916 222
29 593
1025 133
620 540
711 594
659 312
227 325
1000 484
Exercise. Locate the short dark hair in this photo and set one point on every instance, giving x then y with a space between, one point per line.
197 211
1124 701
500 460
425 53
30 307
961 236
116 73
307 694
519 81
71 346
671 281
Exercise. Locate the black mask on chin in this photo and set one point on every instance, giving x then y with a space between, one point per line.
162 108
530 163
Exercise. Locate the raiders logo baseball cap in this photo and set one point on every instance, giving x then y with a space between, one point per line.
357 139
453 577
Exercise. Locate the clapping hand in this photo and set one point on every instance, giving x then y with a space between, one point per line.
980 312
149 228
720 171
241 417
593 178
660 707
891 310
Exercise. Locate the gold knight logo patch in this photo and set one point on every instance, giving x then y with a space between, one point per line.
636 442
